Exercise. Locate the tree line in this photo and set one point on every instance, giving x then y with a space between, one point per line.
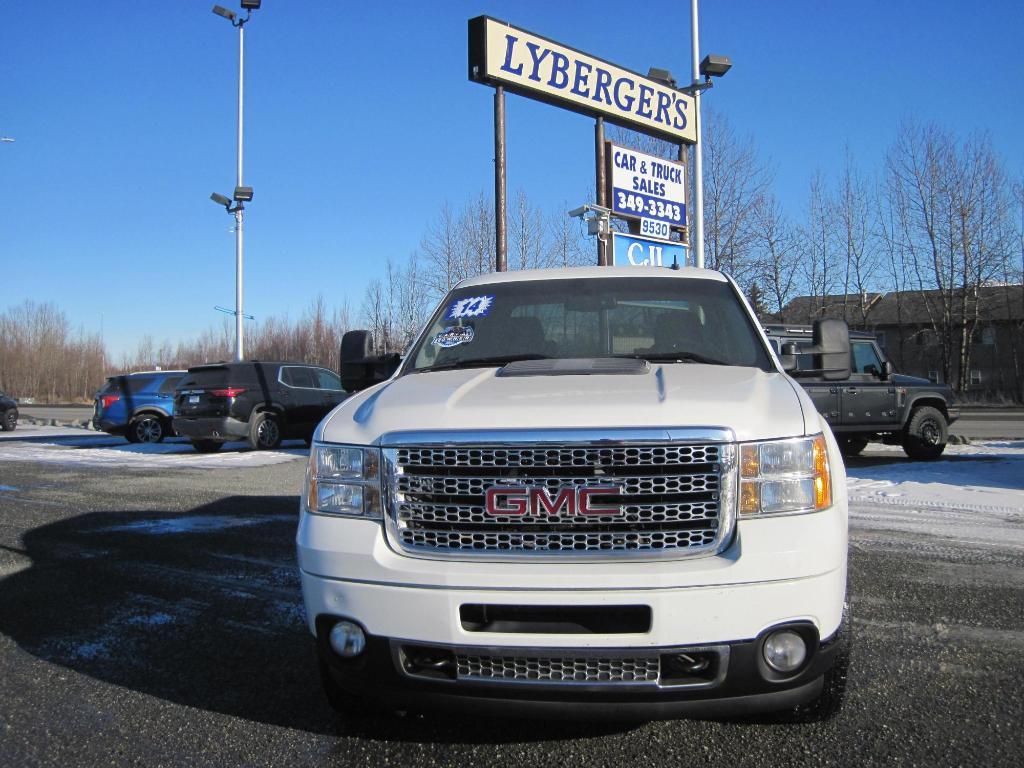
938 213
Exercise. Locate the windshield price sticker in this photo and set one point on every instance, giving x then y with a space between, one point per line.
655 228
474 306
646 187
453 336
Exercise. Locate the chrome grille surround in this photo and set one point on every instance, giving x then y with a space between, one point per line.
434 485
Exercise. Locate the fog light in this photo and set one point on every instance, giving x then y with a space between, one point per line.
347 639
784 650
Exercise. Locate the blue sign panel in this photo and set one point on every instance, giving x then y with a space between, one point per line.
633 251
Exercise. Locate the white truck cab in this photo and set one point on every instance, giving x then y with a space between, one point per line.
584 492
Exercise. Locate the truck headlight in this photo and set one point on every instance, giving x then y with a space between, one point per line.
343 480
784 476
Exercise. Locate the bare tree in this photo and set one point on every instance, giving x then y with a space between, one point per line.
856 245
777 255
954 226
526 235
816 246
735 181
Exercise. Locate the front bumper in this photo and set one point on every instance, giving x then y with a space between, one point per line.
216 428
743 685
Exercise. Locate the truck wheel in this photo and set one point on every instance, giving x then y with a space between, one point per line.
9 422
264 431
146 428
851 446
833 691
207 446
924 437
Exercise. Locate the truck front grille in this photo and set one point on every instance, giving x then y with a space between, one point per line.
552 669
669 499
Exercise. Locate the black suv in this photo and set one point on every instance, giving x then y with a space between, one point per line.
873 402
8 413
257 401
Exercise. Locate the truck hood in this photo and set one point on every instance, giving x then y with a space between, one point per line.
754 404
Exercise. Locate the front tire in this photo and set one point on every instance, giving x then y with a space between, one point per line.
207 446
147 428
264 431
926 433
9 421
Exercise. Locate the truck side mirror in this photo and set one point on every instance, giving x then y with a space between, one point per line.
788 356
360 368
831 339
887 370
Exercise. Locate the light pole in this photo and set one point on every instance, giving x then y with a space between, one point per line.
242 194
711 66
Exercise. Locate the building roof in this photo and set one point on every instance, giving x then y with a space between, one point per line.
993 303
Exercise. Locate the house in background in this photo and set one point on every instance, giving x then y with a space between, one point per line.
922 331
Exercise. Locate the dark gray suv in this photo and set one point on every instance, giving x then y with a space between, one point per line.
874 402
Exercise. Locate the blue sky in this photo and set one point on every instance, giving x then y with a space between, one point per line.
360 122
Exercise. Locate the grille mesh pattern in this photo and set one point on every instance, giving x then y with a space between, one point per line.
669 498
632 513
558 670
561 456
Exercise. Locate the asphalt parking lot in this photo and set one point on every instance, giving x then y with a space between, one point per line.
150 615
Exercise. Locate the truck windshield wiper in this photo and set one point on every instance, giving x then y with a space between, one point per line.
480 362
675 357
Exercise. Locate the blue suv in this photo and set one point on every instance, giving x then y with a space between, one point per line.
137 405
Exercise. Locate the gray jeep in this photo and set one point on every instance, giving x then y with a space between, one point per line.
869 401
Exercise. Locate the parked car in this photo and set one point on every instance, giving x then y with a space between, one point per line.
261 402
8 413
874 402
136 405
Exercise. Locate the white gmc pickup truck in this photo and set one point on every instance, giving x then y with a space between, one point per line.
583 492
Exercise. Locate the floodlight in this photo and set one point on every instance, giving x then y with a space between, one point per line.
221 11
662 76
251 5
243 194
220 200
715 66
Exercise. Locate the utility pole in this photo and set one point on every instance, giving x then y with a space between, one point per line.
242 194
697 240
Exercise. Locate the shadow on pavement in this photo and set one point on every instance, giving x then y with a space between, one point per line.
202 608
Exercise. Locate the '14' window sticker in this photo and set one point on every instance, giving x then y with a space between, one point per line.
474 306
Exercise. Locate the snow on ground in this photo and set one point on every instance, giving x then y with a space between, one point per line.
80 447
974 494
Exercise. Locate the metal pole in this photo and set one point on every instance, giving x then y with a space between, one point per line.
500 240
239 331
602 196
697 240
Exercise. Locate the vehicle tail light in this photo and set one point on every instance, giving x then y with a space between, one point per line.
109 400
229 392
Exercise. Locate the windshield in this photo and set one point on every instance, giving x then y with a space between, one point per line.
657 319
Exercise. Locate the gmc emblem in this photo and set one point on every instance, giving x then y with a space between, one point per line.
516 500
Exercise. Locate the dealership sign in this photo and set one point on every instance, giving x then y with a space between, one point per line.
643 186
633 251
534 66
